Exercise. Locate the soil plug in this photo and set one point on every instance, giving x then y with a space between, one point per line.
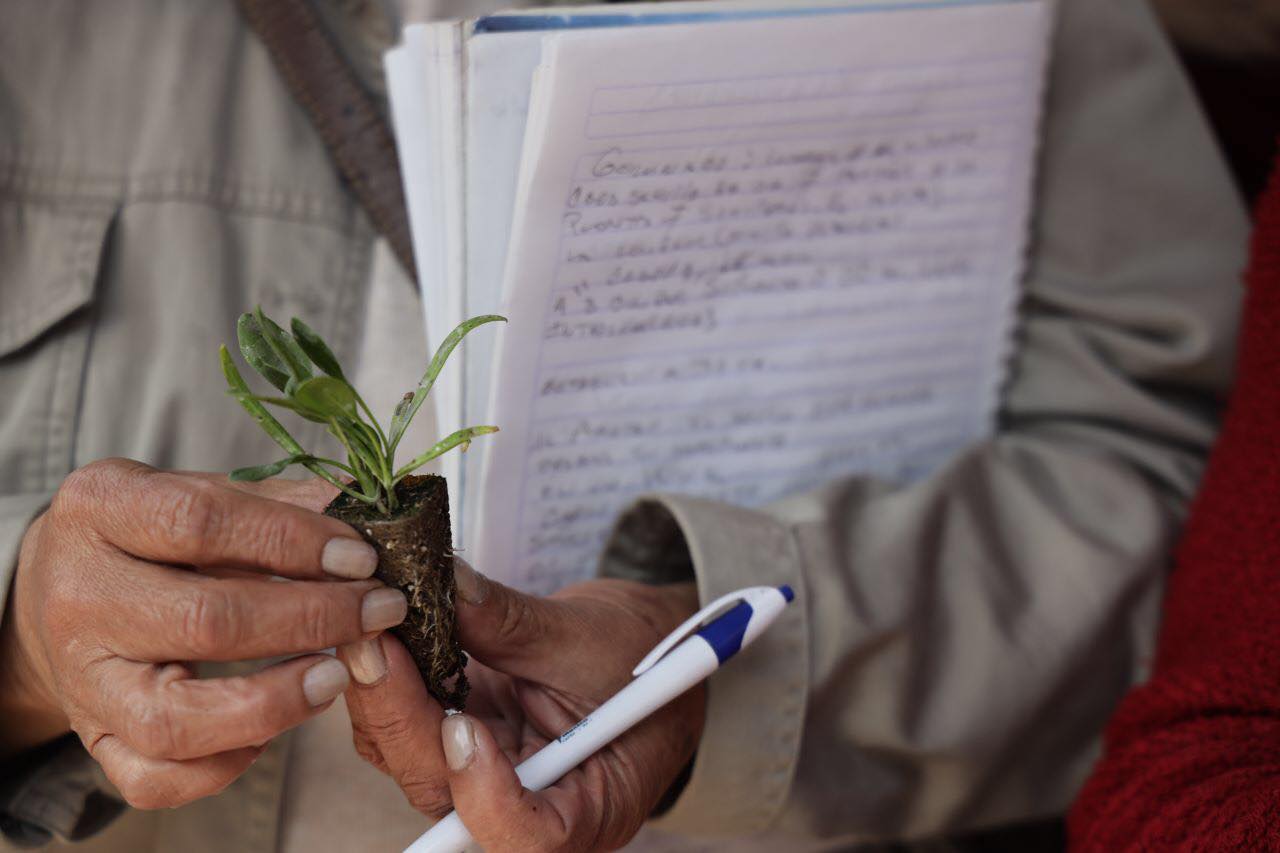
403 516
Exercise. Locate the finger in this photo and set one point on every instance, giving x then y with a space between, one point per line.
520 635
313 493
556 641
550 712
493 694
153 783
187 616
498 811
165 713
396 724
174 518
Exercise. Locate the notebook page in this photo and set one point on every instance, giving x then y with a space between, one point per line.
500 64
498 74
787 252
500 61
424 89
411 118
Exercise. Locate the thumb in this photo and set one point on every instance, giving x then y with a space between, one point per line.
497 810
520 635
394 721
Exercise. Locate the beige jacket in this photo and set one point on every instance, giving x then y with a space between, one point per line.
960 641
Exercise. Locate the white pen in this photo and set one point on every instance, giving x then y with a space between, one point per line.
689 654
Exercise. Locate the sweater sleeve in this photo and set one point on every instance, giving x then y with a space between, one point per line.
1195 754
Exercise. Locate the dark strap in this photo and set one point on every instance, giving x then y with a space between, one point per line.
353 128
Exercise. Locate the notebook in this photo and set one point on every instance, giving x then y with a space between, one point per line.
745 248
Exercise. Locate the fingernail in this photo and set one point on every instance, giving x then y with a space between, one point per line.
348 558
459 738
382 608
324 681
472 586
367 662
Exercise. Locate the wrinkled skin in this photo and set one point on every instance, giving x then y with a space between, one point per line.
540 665
131 577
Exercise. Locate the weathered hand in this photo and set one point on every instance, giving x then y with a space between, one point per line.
132 574
541 664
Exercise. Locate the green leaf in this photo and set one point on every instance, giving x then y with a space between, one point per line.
327 396
253 406
262 472
271 426
284 346
258 353
404 412
402 408
316 349
368 437
363 465
462 436
363 443
284 403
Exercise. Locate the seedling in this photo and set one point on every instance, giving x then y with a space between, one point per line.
405 517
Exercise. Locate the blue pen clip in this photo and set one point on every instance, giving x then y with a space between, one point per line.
727 623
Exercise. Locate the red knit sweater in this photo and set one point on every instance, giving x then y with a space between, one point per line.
1193 757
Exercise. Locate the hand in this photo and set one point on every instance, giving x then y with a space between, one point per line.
132 574
541 664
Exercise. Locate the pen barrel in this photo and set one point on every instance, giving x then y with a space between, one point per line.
449 835
682 668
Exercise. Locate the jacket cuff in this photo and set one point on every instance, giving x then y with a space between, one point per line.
16 514
55 791
756 703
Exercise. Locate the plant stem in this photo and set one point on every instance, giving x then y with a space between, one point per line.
386 457
366 478
373 421
333 481
335 463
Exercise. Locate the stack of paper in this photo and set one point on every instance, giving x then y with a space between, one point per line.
744 248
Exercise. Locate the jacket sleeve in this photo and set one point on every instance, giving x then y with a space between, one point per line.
1194 755
57 789
957 643
16 513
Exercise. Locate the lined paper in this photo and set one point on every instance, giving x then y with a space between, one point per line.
785 251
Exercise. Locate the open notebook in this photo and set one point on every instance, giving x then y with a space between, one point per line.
745 248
